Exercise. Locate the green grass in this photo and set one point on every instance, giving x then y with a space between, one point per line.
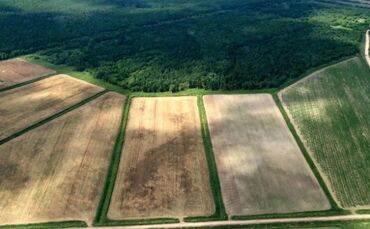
331 110
65 224
50 118
332 212
101 218
63 69
354 224
220 212
25 83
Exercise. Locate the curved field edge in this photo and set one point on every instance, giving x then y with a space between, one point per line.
359 66
63 224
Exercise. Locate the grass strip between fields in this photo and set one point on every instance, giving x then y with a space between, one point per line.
27 82
101 218
62 224
334 205
220 212
347 224
363 211
331 212
52 117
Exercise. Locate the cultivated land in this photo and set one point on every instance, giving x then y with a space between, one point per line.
260 165
163 170
330 109
57 171
24 106
16 71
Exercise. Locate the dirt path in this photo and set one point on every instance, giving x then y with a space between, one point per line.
367 44
250 222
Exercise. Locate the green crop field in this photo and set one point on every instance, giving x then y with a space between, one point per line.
331 111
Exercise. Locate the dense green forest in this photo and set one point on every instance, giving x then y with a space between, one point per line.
161 45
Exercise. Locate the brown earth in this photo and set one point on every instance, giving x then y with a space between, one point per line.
57 171
24 106
261 168
16 71
163 170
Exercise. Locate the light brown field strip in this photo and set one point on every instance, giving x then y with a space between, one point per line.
24 106
261 168
16 71
163 170
57 171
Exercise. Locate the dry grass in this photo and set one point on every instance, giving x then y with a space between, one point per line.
57 171
29 104
163 170
261 168
16 71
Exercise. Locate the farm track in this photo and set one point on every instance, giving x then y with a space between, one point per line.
247 222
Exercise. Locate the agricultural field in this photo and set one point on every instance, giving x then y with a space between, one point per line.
163 170
57 171
16 71
26 105
330 109
261 168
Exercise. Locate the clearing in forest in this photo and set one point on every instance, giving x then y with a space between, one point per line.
24 106
261 168
330 109
163 170
16 71
57 171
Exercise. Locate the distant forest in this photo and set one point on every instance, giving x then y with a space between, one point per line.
172 45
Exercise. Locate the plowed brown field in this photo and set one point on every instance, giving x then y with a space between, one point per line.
260 165
57 171
16 71
29 104
163 170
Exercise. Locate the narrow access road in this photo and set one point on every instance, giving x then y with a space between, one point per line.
246 222
367 44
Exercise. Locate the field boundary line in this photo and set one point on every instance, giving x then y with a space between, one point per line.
47 225
264 223
311 162
101 218
220 211
42 77
52 117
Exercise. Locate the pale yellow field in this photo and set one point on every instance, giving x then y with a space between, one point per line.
260 165
16 71
24 106
163 170
57 171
